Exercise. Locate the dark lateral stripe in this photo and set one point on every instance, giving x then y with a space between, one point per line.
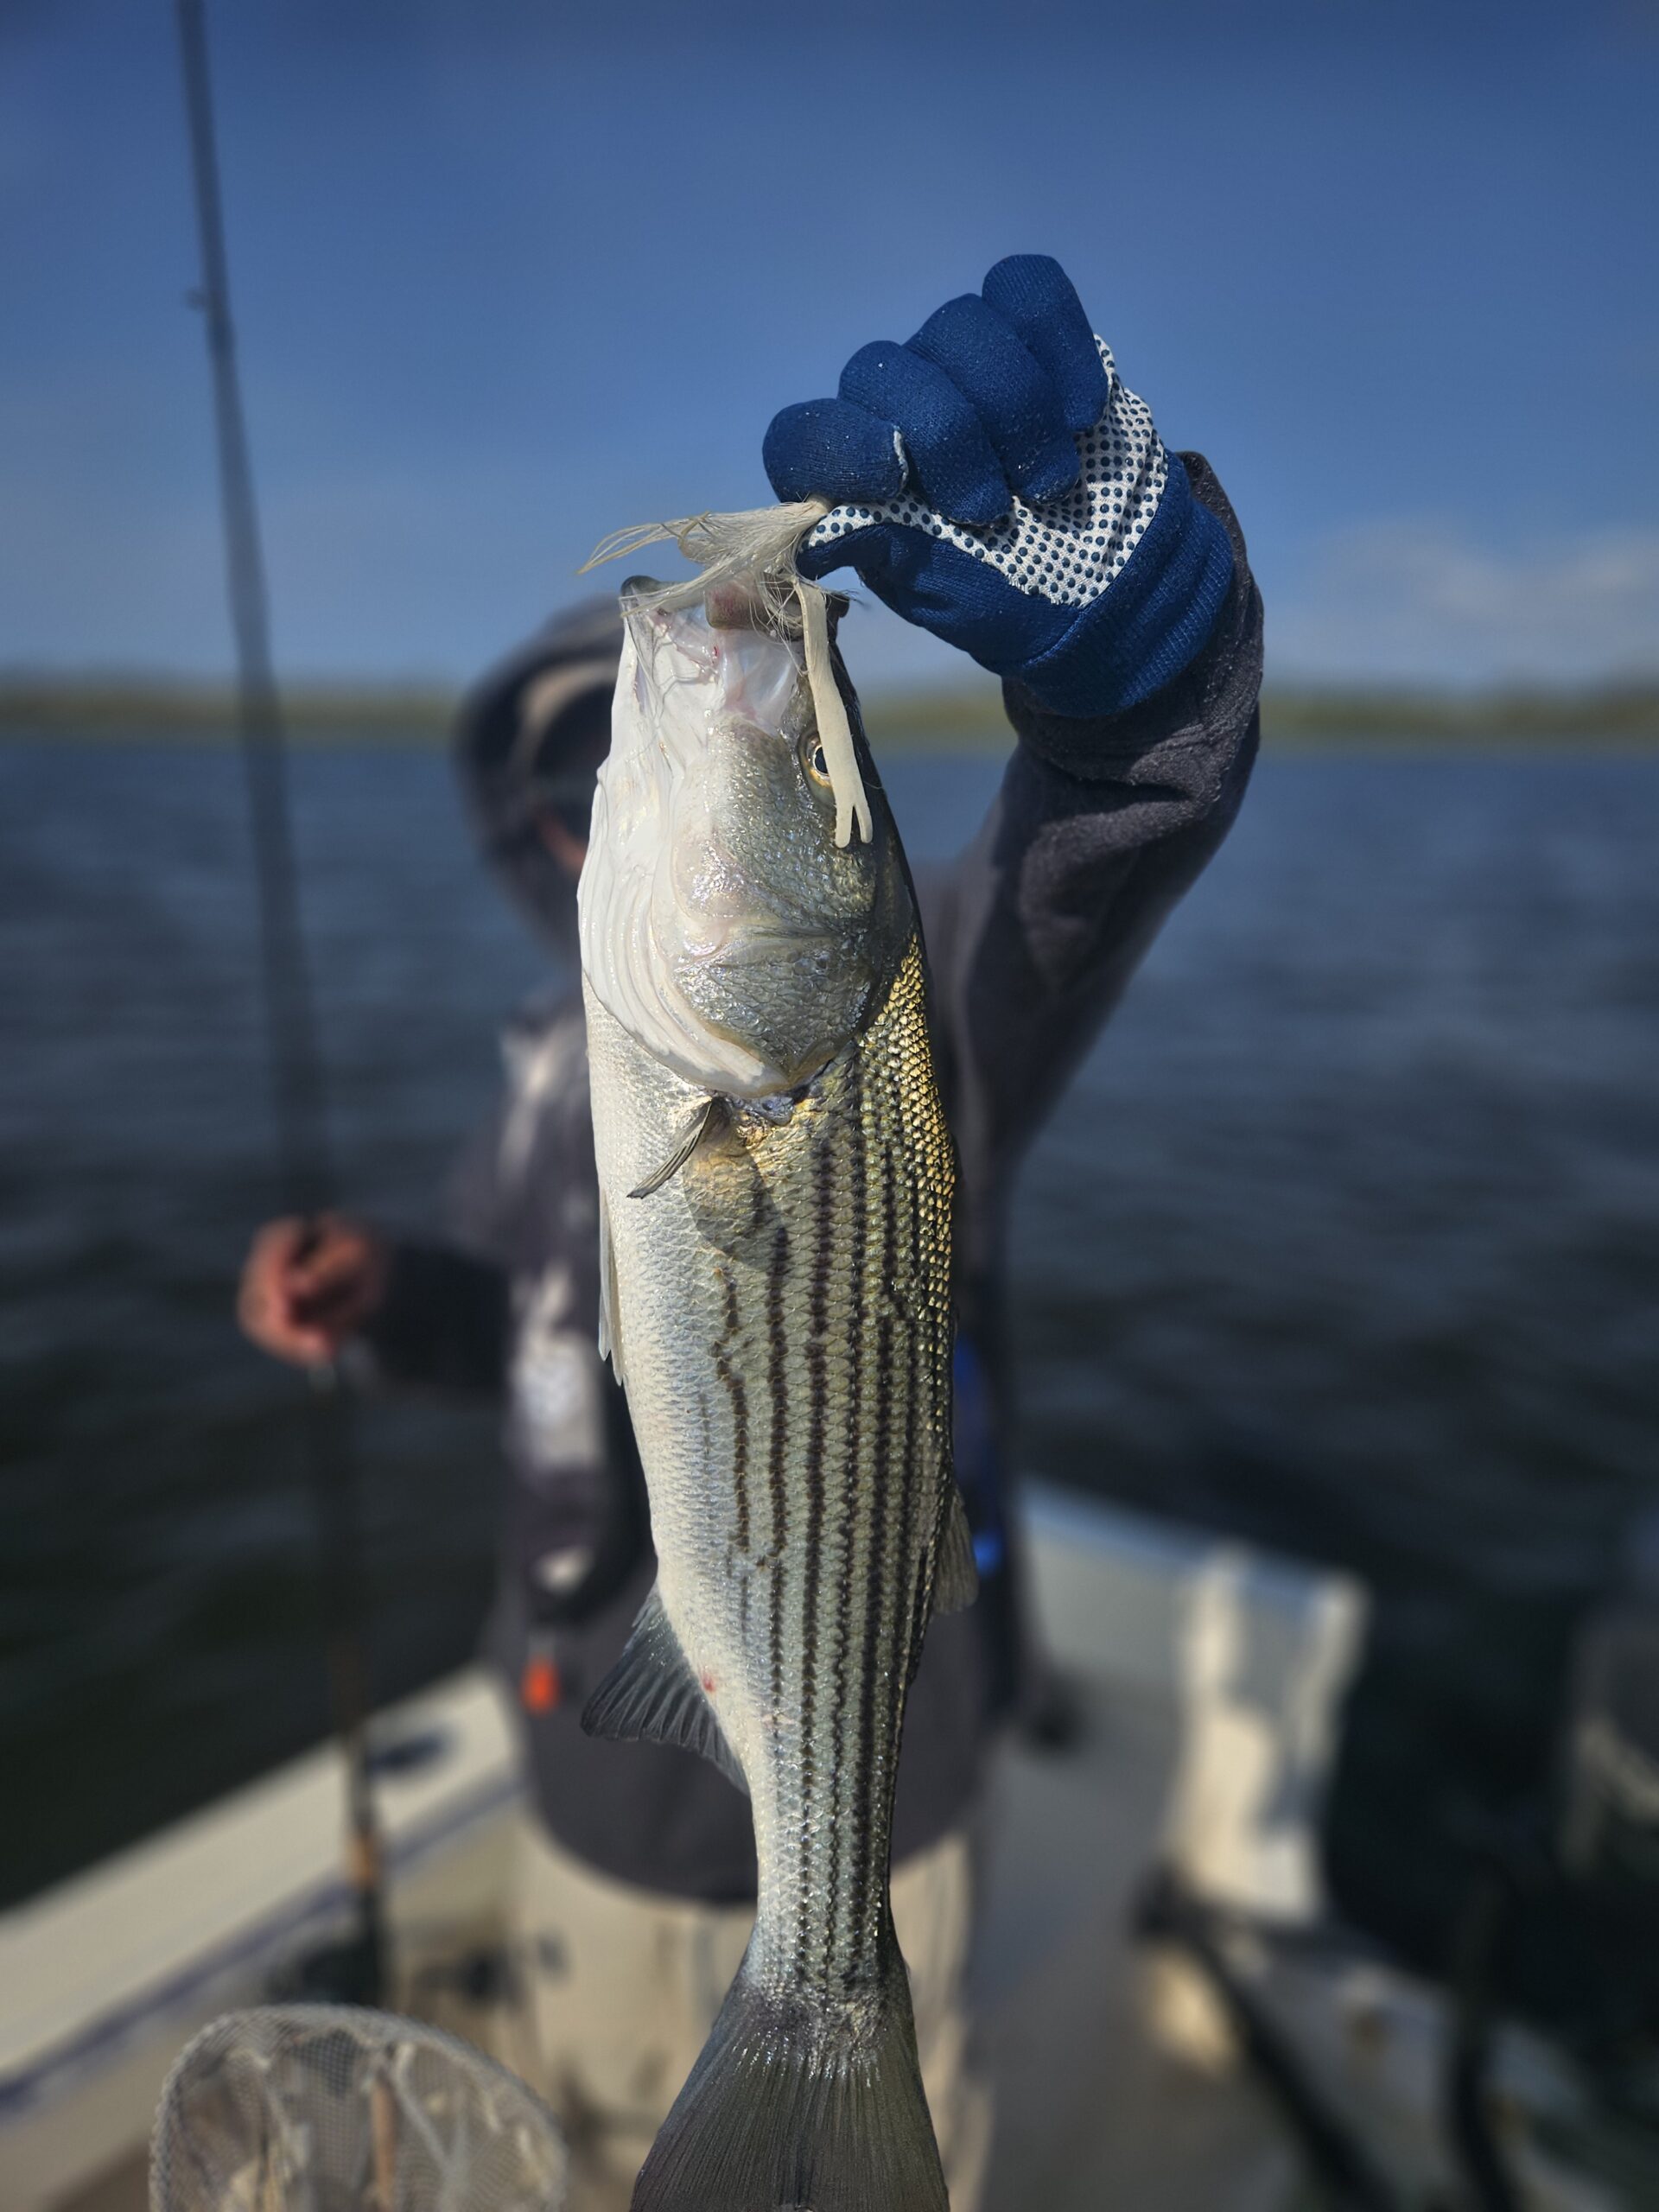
726 1368
816 1475
920 1500
899 1580
877 1595
777 1467
851 1485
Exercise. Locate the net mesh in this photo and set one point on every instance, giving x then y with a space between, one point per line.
328 2109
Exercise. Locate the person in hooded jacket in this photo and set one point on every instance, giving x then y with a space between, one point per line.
995 482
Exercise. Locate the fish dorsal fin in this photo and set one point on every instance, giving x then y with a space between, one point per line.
955 1578
711 1122
651 1695
610 1341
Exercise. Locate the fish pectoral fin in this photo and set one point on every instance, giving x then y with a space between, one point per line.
652 1696
955 1578
610 1342
711 1121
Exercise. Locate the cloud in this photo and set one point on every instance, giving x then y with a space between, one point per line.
1419 601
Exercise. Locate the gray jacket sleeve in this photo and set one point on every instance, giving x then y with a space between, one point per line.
1099 827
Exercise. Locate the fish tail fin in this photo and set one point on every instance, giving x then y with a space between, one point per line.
787 2109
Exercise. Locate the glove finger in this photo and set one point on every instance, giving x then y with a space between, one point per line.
1013 397
830 449
1035 297
865 550
954 462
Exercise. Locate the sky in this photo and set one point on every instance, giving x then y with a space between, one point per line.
508 276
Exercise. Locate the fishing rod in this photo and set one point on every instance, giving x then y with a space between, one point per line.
294 1060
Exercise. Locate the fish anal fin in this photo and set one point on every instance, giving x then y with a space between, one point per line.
955 1578
711 1122
610 1340
653 1695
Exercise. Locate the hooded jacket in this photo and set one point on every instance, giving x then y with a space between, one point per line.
1099 827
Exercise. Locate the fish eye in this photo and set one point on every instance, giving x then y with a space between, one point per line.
812 760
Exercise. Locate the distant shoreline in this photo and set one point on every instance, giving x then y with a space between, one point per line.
1300 719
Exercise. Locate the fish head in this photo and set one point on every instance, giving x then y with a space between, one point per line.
721 925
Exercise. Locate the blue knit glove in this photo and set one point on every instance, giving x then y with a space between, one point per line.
995 482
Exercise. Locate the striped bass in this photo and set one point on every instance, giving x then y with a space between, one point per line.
775 1178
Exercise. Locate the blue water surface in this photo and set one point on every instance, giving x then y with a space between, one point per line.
1343 1239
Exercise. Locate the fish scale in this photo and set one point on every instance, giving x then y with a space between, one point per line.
776 1180
827 1346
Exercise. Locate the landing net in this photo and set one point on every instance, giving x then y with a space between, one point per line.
328 2109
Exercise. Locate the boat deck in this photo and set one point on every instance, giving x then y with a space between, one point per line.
1091 2111
101 1982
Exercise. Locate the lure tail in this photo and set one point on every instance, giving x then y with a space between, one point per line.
786 2109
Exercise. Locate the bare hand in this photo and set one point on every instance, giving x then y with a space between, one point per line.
307 1285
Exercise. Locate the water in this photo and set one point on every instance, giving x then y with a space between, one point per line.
1343 1239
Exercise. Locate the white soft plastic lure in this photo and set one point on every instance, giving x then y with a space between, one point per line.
752 552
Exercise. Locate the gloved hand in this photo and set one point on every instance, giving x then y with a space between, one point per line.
994 481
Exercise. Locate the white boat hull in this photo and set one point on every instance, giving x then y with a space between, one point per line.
103 1979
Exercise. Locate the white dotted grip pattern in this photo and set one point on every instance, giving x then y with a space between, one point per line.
1067 552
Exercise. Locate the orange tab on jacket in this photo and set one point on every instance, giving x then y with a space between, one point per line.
539 1687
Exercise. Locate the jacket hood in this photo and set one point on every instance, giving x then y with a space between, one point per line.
505 748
